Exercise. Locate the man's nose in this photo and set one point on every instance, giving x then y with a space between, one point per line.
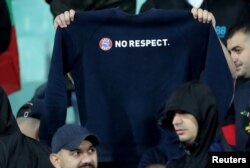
234 57
177 119
85 159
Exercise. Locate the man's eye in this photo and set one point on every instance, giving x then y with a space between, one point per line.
238 50
75 153
92 150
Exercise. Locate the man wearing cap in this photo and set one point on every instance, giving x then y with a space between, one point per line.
73 146
28 118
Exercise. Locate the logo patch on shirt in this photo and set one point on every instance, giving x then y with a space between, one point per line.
105 44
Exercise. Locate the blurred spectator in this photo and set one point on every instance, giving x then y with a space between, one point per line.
59 6
28 118
16 149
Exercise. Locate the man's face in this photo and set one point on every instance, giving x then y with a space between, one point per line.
84 157
239 48
186 127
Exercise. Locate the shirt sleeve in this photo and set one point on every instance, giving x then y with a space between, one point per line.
55 111
217 74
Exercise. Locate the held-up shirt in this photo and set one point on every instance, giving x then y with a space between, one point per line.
124 69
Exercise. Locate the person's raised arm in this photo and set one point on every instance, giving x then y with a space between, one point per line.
207 17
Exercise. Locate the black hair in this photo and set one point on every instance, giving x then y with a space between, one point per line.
242 27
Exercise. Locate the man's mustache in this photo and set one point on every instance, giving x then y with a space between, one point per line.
87 165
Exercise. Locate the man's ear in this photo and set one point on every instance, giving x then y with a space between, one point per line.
53 157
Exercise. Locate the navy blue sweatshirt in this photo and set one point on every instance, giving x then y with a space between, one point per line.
124 68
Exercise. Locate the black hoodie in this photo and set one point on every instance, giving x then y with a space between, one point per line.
16 149
197 99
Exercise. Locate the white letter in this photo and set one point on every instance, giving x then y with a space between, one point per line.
124 43
214 159
159 42
117 43
244 160
165 42
147 42
137 43
153 41
142 43
131 43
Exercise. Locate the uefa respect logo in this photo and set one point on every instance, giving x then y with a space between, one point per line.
105 44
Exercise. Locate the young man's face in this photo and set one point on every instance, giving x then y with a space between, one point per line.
84 157
239 48
186 126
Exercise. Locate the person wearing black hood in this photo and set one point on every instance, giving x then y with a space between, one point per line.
191 111
16 149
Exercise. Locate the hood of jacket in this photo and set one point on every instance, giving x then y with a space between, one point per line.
197 99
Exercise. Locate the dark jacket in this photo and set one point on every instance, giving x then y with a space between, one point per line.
163 152
59 6
241 104
197 99
16 149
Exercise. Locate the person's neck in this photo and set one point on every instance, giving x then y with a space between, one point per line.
190 147
29 127
30 132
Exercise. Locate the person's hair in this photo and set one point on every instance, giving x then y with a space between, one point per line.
27 121
242 27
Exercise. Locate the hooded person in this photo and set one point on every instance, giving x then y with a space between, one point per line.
28 117
192 113
16 149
